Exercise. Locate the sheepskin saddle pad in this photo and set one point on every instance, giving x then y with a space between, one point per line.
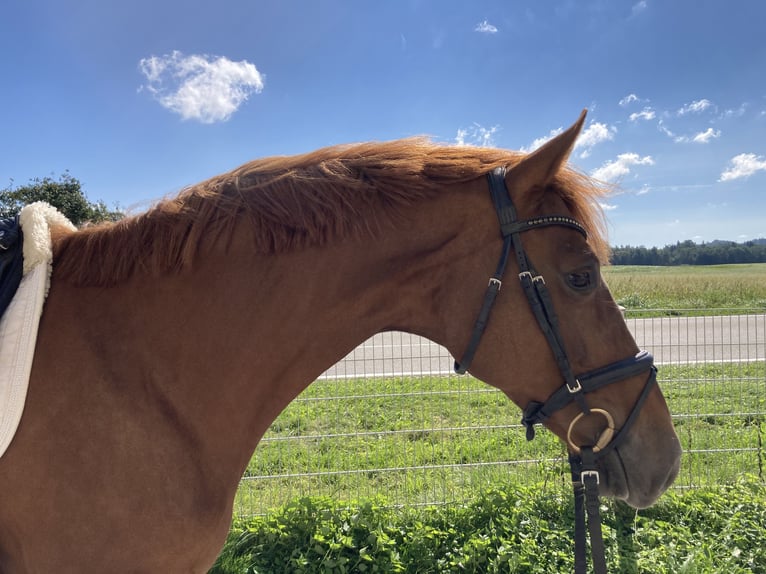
25 266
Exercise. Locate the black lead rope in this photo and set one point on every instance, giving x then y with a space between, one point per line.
585 475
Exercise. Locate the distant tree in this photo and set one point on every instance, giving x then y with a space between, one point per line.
65 194
690 253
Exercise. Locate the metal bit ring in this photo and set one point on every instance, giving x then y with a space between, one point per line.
603 439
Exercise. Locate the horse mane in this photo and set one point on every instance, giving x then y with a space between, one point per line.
296 201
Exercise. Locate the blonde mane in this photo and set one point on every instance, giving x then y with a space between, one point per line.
296 201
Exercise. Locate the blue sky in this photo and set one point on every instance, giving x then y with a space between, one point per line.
138 99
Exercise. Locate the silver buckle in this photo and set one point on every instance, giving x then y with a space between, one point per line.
495 281
576 389
532 278
590 473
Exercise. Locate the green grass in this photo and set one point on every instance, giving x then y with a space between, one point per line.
727 288
382 425
508 528
422 440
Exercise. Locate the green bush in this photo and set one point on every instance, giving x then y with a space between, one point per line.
509 529
314 535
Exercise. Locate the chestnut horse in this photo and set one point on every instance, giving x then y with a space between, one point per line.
171 340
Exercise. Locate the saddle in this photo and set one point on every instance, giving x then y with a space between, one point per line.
11 260
26 261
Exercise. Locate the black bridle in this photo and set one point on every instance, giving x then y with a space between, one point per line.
583 458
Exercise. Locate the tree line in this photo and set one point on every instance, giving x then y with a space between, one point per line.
65 194
690 253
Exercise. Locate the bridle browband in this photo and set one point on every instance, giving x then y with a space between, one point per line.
583 458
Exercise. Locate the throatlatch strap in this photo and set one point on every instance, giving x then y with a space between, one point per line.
506 215
510 230
479 327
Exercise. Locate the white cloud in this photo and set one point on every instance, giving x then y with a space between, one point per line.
701 137
695 107
742 166
477 135
607 206
706 136
485 28
638 7
629 99
644 190
197 87
645 114
540 141
736 113
594 134
664 129
614 170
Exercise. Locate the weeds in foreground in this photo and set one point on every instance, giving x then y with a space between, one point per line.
510 529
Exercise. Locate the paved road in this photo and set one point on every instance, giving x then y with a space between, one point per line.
675 340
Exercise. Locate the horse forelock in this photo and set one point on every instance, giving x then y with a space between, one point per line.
295 201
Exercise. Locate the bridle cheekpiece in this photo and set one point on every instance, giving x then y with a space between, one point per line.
583 458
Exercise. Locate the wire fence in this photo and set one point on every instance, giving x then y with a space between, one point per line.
393 419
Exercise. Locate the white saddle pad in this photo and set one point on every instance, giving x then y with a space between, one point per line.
18 326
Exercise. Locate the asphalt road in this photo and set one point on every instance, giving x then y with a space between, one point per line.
672 340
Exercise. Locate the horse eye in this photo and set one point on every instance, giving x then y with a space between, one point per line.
579 280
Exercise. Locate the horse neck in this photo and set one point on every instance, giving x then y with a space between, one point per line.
303 311
229 343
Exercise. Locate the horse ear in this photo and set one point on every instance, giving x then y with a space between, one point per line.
539 167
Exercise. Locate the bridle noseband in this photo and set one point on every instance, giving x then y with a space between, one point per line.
583 458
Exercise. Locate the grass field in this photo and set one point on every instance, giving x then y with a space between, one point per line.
423 440
728 288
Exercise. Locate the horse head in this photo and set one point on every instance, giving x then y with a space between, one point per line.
575 366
